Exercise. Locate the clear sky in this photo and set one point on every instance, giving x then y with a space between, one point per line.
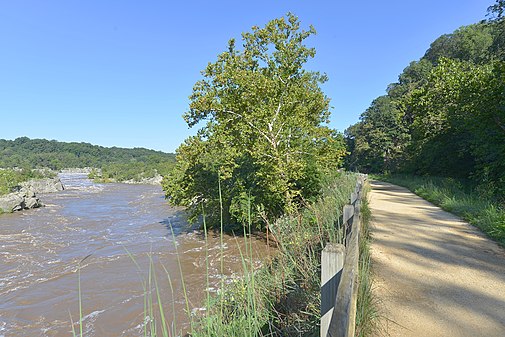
119 72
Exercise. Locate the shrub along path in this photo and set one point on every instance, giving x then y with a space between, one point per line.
435 275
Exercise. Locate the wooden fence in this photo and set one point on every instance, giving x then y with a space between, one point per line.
339 273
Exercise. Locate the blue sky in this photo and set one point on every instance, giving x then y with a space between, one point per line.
119 73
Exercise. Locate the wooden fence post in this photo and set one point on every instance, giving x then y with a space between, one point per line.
354 197
346 221
342 323
339 273
332 261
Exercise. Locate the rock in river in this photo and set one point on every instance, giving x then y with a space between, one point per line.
48 185
25 197
18 201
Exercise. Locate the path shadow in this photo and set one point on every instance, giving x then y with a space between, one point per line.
437 268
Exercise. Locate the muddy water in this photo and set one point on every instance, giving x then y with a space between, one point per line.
114 225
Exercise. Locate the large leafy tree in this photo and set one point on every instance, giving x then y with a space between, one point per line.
264 137
460 122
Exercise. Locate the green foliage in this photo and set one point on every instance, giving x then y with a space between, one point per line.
379 141
460 117
117 164
282 298
367 312
132 171
469 43
264 137
41 153
445 114
11 178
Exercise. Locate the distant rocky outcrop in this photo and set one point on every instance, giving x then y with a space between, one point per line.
156 180
38 186
18 201
82 170
25 195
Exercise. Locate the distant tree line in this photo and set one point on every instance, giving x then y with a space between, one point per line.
131 171
117 163
446 114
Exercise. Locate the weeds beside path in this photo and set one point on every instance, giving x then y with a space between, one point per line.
435 274
473 204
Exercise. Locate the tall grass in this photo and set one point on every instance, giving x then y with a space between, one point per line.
80 323
233 311
367 313
152 319
282 297
460 198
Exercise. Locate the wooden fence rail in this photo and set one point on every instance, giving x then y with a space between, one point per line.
339 273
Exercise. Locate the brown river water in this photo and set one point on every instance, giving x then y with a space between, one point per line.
121 226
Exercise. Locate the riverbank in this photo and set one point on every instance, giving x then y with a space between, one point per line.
282 298
131 173
267 291
21 188
140 175
156 180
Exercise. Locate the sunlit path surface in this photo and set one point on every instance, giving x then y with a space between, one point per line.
435 274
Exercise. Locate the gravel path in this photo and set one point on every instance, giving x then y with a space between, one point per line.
435 275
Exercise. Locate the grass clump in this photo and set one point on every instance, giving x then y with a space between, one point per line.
282 298
460 198
367 314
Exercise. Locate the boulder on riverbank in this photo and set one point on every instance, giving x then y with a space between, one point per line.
18 201
156 180
24 196
47 185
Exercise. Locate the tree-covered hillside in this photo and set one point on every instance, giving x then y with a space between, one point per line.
446 114
40 153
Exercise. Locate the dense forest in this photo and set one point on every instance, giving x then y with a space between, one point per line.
446 114
116 163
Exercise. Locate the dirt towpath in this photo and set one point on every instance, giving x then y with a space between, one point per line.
435 274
